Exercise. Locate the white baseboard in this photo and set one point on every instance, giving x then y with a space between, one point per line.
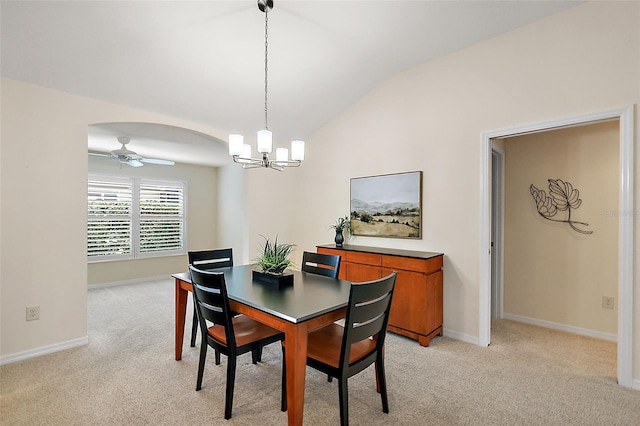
127 282
43 350
562 327
461 336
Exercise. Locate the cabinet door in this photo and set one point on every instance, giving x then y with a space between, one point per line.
434 301
357 272
410 305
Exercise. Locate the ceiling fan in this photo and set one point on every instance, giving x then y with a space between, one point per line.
126 156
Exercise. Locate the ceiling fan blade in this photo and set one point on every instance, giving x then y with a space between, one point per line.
99 154
129 157
158 161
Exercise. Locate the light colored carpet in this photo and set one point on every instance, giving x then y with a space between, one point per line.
127 375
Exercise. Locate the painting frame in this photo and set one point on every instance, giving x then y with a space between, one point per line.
388 206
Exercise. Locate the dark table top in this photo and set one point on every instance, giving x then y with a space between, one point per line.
310 295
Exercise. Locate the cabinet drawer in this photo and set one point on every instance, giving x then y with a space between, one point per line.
323 250
358 272
412 264
363 258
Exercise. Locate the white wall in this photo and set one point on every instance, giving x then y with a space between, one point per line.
273 200
432 118
231 208
43 240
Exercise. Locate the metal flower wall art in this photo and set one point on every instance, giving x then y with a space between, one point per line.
562 197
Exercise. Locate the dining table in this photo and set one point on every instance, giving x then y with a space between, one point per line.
310 303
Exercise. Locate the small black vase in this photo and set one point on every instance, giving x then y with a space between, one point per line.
339 239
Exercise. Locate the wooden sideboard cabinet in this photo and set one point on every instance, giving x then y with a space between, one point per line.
416 310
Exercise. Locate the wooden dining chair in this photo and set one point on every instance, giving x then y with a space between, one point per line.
229 335
207 260
342 352
321 264
327 265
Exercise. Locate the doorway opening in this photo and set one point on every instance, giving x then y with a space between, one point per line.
625 230
497 230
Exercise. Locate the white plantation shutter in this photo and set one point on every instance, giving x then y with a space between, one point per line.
132 218
109 219
161 217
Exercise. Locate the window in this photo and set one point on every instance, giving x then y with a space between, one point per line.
130 218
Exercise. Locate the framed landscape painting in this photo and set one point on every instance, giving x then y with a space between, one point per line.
387 205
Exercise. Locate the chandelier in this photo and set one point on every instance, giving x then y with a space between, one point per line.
240 151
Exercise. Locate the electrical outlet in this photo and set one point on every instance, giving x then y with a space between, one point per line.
608 302
33 312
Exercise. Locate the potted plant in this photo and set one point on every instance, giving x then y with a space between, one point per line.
342 224
273 262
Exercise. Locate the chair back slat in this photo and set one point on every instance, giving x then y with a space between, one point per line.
363 292
368 329
211 259
367 314
212 301
368 310
327 265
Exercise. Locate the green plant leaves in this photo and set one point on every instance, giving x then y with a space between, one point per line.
342 224
274 257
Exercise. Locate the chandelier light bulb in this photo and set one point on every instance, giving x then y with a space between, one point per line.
297 150
246 151
282 155
265 141
235 144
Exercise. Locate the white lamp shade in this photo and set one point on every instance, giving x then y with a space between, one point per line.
297 150
264 141
282 154
235 144
246 151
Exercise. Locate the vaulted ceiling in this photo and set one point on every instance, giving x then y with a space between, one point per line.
203 61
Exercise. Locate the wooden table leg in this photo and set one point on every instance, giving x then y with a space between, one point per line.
296 357
295 343
180 312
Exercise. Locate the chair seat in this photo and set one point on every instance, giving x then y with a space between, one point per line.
246 331
325 345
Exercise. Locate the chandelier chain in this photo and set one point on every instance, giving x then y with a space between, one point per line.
266 65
